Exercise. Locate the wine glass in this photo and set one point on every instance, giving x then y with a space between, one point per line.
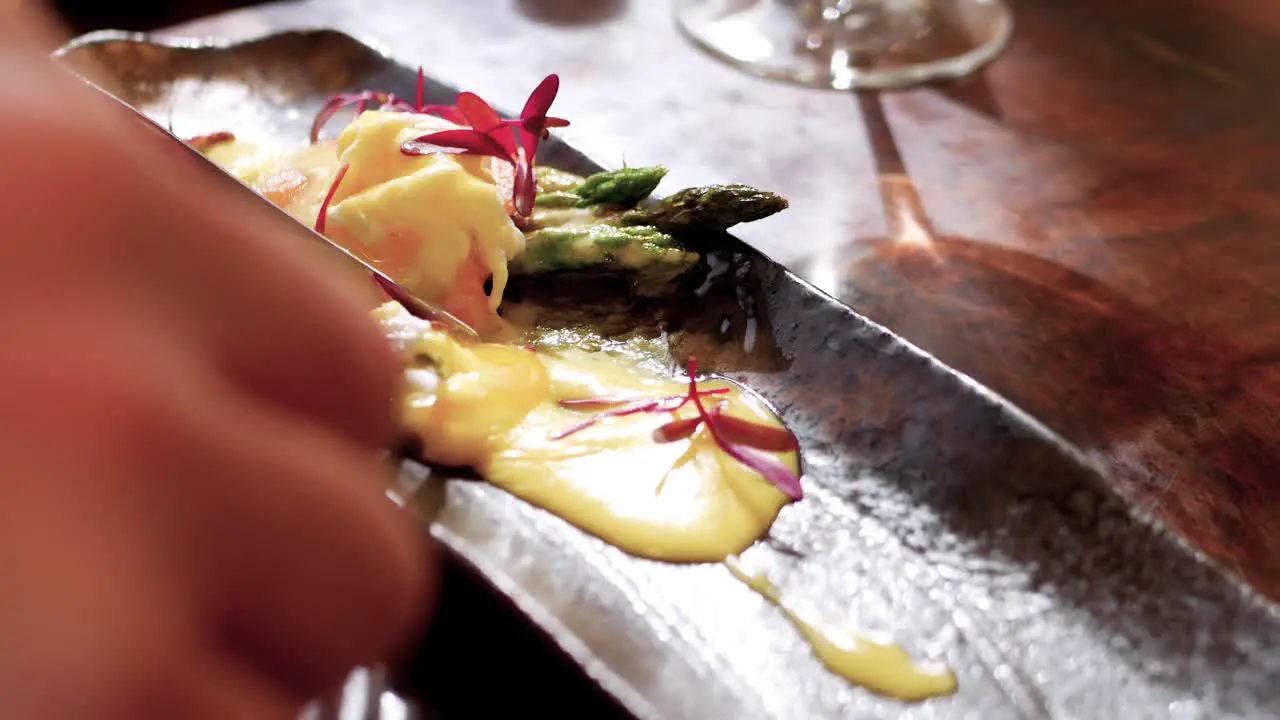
850 44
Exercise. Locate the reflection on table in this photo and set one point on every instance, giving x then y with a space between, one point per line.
1097 208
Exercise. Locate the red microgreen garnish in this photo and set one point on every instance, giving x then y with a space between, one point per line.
362 101
323 216
389 289
377 99
678 400
399 295
478 114
515 141
421 88
745 432
204 142
677 430
743 440
533 118
767 465
631 408
455 141
487 133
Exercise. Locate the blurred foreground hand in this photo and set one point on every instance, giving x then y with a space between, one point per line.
192 512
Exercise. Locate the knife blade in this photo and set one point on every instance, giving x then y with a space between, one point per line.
289 224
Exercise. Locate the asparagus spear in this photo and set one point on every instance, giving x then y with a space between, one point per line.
552 180
715 207
578 246
625 187
557 200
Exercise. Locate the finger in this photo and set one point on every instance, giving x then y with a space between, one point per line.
281 316
277 532
302 335
313 570
229 690
86 621
345 582
28 25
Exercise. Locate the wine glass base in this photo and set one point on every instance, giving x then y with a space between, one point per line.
892 44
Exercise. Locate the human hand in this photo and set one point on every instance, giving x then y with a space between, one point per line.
192 513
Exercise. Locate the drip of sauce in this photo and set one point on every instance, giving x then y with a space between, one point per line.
437 224
496 408
880 668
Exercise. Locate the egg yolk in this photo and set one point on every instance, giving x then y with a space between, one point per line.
437 224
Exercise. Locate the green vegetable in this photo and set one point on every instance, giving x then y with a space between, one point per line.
626 187
715 207
551 180
559 199
575 247
554 216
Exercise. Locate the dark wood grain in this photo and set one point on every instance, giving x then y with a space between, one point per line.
1135 309
1089 227
82 16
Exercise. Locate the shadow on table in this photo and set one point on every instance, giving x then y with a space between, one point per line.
83 16
1181 417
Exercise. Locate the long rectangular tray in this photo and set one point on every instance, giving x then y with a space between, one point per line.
936 513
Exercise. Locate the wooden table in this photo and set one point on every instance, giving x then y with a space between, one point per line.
1091 227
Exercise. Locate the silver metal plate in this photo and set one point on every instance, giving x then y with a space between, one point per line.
936 513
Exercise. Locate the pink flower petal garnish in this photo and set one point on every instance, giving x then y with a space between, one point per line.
540 100
471 141
744 432
478 113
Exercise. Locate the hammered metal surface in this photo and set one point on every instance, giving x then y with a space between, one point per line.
936 514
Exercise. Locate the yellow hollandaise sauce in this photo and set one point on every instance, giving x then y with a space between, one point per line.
880 668
437 223
295 180
499 409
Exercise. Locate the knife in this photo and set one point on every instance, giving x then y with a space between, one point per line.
366 691
289 224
